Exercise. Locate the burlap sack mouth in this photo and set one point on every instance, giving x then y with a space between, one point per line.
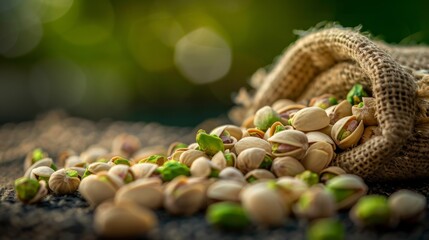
332 61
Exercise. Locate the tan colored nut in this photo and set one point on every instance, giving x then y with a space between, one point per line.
80 171
366 113
174 146
286 166
143 170
310 119
125 145
289 111
149 151
324 101
276 127
228 135
407 205
189 156
232 173
97 167
319 156
341 110
346 189
327 130
251 142
224 159
320 137
259 174
92 154
99 187
254 132
122 171
291 189
370 132
282 103
145 192
330 172
41 173
253 158
203 167
177 153
315 203
64 181
225 190
44 162
123 220
291 143
74 161
347 132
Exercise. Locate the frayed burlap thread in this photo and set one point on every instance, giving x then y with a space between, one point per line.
332 61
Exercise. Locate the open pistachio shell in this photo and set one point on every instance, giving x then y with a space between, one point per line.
97 167
370 132
194 146
407 205
34 156
259 174
178 152
43 172
123 220
125 145
221 161
320 137
347 132
203 167
330 172
304 119
286 166
289 143
276 127
44 162
366 113
287 112
123 172
234 131
225 190
99 187
319 156
341 110
184 197
232 173
41 193
30 190
189 156
250 159
324 101
254 132
92 154
291 189
143 170
251 142
80 171
64 181
174 146
347 189
146 192
265 117
315 203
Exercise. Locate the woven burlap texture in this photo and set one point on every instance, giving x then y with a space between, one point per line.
332 61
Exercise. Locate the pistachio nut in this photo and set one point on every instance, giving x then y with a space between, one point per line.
365 111
324 101
92 154
259 174
33 157
118 160
41 173
30 190
265 117
149 151
263 204
209 143
63 155
223 132
290 189
355 94
174 146
227 215
99 187
255 132
125 145
346 189
224 159
184 196
287 112
225 190
310 119
144 170
275 128
189 156
326 228
314 137
253 158
286 166
371 210
172 169
329 173
347 132
96 167
315 203
80 171
407 205
370 132
319 156
232 173
327 130
44 162
308 177
64 181
178 152
123 172
145 192
251 142
341 110
291 143
203 167
282 103
123 220
74 161
156 159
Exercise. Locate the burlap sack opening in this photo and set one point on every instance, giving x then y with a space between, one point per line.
332 61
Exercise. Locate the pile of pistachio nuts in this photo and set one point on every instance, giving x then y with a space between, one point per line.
274 167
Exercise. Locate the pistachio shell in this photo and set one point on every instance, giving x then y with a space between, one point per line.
125 145
234 131
341 110
250 159
174 146
203 167
97 167
287 112
99 187
123 220
123 172
330 172
63 155
304 119
292 138
194 146
327 130
259 174
232 173
315 203
367 112
41 193
251 142
350 140
319 156
282 103
324 101
74 161
146 192
272 130
320 137
220 161
92 154
61 183
225 190
407 205
189 156
42 171
291 189
80 171
143 170
370 132
355 186
44 162
177 153
254 132
286 166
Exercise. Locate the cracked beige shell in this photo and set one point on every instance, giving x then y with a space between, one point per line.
121 171
225 190
41 193
352 139
143 170
289 111
320 137
259 174
286 166
319 156
184 196
42 171
310 119
172 147
234 131
97 167
177 153
330 172
123 220
293 138
291 189
270 131
348 182
251 142
232 173
189 156
146 192
125 145
250 159
370 132
60 183
44 162
367 112
92 154
74 161
254 132
341 110
319 204
203 167
99 187
220 161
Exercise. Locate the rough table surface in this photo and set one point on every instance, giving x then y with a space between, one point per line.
70 217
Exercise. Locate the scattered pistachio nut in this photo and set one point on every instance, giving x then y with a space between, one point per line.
259 174
289 111
44 162
74 161
156 159
224 159
275 128
286 166
319 155
253 158
305 119
347 189
329 173
232 173
203 167
308 177
118 160
64 181
326 229
291 143
124 172
371 210
30 190
171 169
227 215
96 167
408 206
235 131
209 143
315 203
255 132
184 196
225 190
324 101
341 110
291 189
223 132
347 132
251 142
174 146
144 170
265 117
317 136
145 192
99 187
41 173
189 156
33 157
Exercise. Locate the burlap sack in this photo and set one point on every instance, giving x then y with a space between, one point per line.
332 61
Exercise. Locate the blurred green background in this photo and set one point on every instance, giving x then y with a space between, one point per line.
175 62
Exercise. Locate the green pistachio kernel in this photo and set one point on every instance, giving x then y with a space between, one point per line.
227 215
372 210
179 145
305 201
343 134
156 159
104 160
26 188
265 117
210 144
355 94
361 104
266 163
251 179
290 121
214 173
340 194
229 160
72 173
308 177
333 101
326 229
279 128
327 176
104 179
128 178
172 169
37 155
120 160
86 173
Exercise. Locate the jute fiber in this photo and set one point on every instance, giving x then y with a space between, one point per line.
332 61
